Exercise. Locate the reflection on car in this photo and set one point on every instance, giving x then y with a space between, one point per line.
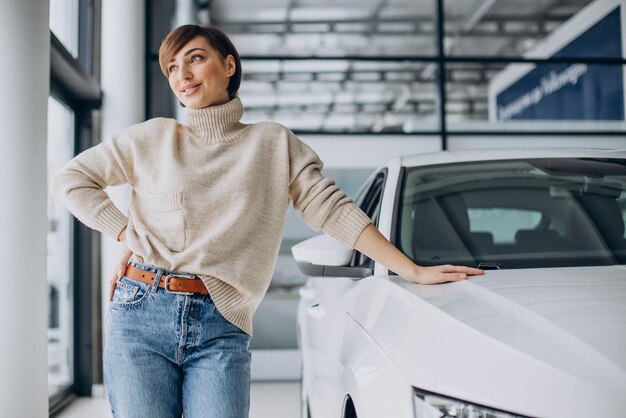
541 334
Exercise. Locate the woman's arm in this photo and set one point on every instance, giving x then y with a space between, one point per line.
374 245
80 184
324 206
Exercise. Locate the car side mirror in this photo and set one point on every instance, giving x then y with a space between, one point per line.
325 256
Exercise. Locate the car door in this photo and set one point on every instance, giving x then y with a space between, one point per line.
323 311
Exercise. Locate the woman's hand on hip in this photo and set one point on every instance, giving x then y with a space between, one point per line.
120 269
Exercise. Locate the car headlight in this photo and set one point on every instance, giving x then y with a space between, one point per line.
429 405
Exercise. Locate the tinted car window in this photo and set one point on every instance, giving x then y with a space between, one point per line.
517 214
369 202
372 199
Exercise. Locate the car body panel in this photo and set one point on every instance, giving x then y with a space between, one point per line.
376 385
505 347
321 329
584 303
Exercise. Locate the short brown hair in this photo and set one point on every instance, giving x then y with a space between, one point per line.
179 36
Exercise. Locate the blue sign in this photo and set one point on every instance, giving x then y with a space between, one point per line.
572 91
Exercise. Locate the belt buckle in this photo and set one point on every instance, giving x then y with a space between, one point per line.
178 276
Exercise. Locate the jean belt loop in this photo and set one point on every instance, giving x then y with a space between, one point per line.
155 284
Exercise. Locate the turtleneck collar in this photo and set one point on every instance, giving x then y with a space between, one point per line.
216 124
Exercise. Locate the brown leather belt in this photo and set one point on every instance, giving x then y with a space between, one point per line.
173 283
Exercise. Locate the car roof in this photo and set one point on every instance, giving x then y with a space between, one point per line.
446 157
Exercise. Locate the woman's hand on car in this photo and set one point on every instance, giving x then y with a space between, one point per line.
441 274
374 245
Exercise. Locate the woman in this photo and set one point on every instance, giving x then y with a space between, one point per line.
207 209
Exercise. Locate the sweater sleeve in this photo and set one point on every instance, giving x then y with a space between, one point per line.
80 184
322 204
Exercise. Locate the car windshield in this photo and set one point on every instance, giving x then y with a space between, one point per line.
548 212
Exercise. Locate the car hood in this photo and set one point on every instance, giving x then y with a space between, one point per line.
513 339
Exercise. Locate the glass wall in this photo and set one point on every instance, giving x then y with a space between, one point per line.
421 67
60 286
504 28
321 66
535 97
64 23
335 96
73 346
534 66
362 28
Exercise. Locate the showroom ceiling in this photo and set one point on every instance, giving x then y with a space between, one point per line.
370 65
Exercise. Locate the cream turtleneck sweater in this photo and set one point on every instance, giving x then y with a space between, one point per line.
209 198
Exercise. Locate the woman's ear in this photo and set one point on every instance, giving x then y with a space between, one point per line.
231 67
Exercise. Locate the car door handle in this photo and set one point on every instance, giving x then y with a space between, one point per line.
316 311
306 292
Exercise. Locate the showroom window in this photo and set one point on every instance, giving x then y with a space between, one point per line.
549 68
60 228
497 68
64 23
73 340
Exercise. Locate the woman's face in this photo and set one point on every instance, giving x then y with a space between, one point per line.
199 75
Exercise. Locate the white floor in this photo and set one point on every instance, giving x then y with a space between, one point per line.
267 399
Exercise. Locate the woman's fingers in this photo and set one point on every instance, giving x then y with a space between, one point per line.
451 273
120 269
112 284
119 272
470 271
443 274
453 277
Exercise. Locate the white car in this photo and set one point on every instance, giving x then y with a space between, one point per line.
541 334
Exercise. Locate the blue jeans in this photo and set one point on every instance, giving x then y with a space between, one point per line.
169 354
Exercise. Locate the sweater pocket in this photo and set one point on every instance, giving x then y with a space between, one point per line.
166 218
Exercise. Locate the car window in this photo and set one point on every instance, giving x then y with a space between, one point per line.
516 214
622 203
370 202
502 223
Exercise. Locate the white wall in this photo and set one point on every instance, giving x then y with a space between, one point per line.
367 151
370 151
25 52
535 141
